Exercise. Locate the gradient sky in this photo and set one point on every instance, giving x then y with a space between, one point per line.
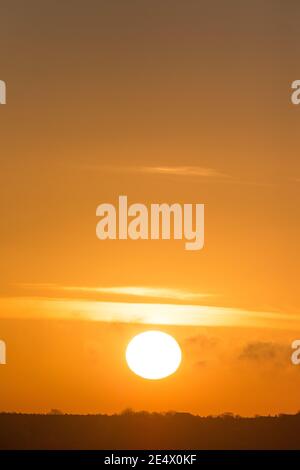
168 101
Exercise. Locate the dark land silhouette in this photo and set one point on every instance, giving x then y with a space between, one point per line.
131 430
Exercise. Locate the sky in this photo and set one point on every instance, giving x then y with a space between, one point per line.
170 101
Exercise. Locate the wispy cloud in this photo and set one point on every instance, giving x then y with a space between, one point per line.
180 171
184 171
142 313
187 171
135 304
130 291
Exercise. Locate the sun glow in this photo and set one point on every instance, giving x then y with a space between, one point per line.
153 355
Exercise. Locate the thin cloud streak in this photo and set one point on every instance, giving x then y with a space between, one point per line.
181 171
142 313
208 174
184 171
131 291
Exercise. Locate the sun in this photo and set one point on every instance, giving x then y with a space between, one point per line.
153 355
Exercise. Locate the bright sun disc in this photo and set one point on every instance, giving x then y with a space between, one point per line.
153 355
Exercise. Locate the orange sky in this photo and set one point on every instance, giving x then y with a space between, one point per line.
175 102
